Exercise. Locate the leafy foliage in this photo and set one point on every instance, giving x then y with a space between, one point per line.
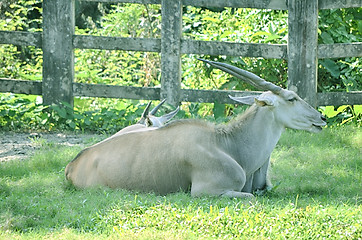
143 68
234 25
343 114
19 61
121 67
24 113
340 26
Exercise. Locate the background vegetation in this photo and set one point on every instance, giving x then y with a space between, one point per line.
143 69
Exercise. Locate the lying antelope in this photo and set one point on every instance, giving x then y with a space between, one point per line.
221 160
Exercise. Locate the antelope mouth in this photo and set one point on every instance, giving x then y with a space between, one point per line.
318 127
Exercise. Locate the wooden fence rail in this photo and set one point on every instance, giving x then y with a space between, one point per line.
58 41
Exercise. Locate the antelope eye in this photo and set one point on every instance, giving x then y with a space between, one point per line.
292 99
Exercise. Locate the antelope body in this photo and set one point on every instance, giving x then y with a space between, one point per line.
220 160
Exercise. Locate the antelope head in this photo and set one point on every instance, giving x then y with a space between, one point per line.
150 120
289 109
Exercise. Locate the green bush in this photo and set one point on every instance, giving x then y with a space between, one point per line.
19 113
143 69
340 26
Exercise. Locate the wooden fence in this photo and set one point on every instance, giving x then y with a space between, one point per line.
58 41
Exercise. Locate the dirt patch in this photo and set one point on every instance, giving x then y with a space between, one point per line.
22 145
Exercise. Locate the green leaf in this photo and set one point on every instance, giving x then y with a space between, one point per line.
11 113
218 110
357 109
330 112
67 105
72 124
43 122
359 26
272 37
3 113
342 108
327 38
87 122
211 19
331 66
261 33
62 112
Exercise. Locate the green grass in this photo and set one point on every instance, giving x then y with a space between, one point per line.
317 194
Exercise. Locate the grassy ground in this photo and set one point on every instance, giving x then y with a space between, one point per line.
318 194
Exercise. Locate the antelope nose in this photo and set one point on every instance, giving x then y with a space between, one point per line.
323 118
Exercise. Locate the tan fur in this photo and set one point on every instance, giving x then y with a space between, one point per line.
138 172
220 160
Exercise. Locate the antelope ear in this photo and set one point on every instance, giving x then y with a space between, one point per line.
267 100
248 100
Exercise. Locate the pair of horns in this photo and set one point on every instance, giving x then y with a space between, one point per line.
246 76
154 110
156 121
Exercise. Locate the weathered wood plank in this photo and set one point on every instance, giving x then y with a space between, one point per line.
117 43
262 4
302 48
340 50
267 4
171 31
187 95
278 51
127 1
20 86
339 98
234 49
211 96
330 4
128 92
58 59
21 38
187 46
112 91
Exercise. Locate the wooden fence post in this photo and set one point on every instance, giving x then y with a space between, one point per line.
302 48
171 50
58 58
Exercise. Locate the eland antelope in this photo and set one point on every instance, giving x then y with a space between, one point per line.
220 160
